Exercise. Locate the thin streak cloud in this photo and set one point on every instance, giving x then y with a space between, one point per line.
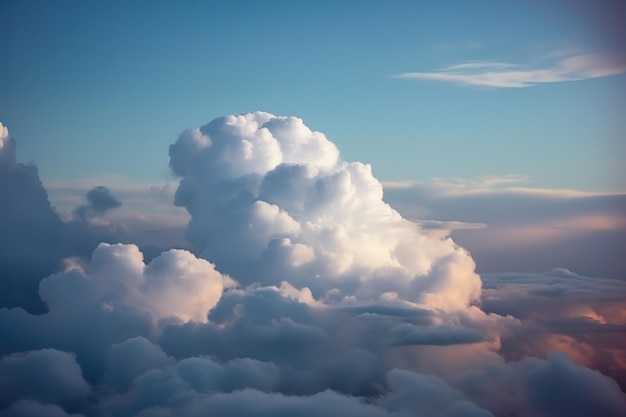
505 75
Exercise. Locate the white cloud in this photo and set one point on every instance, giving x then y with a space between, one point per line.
506 75
270 201
174 284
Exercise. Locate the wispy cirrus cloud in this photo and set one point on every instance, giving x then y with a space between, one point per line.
507 75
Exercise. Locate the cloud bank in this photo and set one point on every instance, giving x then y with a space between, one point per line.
306 295
561 310
506 75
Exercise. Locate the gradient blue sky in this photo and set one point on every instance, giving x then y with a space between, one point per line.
97 89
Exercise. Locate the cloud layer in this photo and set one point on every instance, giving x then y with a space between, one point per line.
322 300
561 310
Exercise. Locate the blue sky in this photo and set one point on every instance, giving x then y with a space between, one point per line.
99 89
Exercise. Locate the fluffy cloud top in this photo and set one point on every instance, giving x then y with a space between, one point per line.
270 200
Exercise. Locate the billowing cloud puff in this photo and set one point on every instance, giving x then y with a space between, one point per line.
175 284
111 299
270 200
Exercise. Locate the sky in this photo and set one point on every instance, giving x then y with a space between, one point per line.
84 84
356 208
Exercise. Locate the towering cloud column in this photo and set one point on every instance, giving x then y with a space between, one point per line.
271 201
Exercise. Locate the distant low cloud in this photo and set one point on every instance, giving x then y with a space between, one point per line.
511 227
565 311
508 75
99 201
147 218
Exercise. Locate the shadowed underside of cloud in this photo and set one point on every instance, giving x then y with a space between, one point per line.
323 300
505 75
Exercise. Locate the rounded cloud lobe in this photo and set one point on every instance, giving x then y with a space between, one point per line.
307 295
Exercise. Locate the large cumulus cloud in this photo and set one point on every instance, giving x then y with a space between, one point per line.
271 200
